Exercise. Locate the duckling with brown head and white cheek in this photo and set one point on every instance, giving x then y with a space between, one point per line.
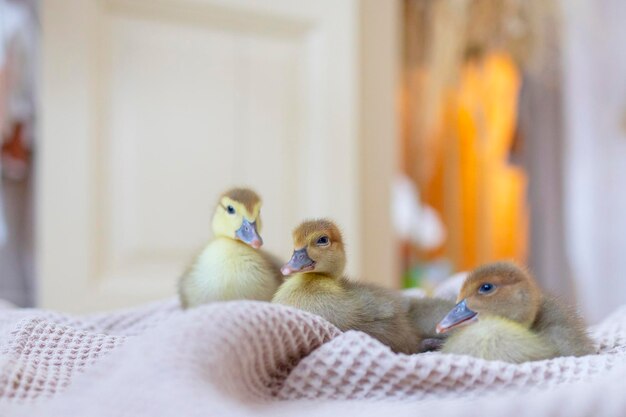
232 266
317 285
506 317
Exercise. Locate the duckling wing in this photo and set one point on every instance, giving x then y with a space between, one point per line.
425 313
375 304
563 327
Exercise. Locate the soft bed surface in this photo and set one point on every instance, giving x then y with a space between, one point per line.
242 358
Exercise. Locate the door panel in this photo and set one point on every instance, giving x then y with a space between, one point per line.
150 109
190 111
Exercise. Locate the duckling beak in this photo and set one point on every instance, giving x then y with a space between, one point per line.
299 262
247 233
458 315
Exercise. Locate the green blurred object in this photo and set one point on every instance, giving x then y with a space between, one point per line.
412 277
427 275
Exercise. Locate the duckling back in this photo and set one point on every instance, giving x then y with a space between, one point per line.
228 270
496 338
563 327
352 306
384 315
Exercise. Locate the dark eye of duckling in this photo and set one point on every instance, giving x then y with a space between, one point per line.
230 209
322 241
486 288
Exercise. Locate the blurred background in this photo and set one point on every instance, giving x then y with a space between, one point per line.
440 134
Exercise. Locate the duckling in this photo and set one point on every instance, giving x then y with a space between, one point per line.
232 266
317 285
510 319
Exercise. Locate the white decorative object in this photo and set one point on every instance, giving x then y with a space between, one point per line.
413 220
414 293
450 288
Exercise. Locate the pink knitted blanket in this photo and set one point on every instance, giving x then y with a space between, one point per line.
243 358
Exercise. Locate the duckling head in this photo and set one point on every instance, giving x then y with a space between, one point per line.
237 216
500 289
318 248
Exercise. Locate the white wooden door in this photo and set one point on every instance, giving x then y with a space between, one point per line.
151 108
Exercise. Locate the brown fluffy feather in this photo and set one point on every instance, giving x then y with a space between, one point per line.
245 196
561 325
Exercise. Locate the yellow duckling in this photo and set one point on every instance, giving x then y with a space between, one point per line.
508 318
317 285
232 266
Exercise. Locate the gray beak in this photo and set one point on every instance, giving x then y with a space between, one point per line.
458 315
247 233
299 262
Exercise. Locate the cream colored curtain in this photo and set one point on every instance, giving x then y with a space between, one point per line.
595 152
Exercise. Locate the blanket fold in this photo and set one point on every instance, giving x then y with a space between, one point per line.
236 358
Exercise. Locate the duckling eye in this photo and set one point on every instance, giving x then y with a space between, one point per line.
230 209
486 288
322 241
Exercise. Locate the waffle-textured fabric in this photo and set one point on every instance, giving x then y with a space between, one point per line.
254 358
